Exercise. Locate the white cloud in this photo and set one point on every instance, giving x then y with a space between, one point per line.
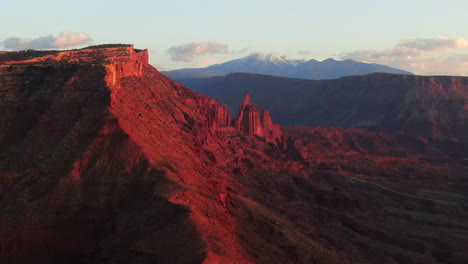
439 55
435 44
63 40
449 64
187 51
70 39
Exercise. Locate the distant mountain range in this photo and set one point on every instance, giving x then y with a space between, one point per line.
285 67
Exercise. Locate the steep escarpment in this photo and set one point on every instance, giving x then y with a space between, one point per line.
95 139
105 160
72 179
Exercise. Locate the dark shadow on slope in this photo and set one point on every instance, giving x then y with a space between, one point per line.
76 189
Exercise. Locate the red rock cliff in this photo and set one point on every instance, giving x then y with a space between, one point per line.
272 131
93 131
105 160
249 122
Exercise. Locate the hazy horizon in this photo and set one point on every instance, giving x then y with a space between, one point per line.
423 37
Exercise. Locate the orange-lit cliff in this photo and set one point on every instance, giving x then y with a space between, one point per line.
105 160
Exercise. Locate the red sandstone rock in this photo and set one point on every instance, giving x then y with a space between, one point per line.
434 107
105 160
248 122
272 131
66 109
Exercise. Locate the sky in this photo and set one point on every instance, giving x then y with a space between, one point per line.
424 37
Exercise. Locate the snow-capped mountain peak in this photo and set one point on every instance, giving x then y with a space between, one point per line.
272 58
271 64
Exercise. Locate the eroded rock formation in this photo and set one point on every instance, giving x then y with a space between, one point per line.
431 108
249 122
63 110
105 160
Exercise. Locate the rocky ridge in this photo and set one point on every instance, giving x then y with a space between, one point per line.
105 160
78 126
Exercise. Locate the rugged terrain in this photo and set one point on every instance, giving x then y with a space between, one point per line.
429 113
105 160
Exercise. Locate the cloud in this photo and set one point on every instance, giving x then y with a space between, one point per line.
188 51
65 39
438 55
70 39
435 44
450 64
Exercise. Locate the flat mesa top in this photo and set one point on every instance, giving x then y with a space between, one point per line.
100 54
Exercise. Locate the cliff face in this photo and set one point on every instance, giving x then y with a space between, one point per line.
83 176
105 160
97 134
249 122
429 107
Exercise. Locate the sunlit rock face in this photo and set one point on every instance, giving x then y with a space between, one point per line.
105 160
249 122
97 135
